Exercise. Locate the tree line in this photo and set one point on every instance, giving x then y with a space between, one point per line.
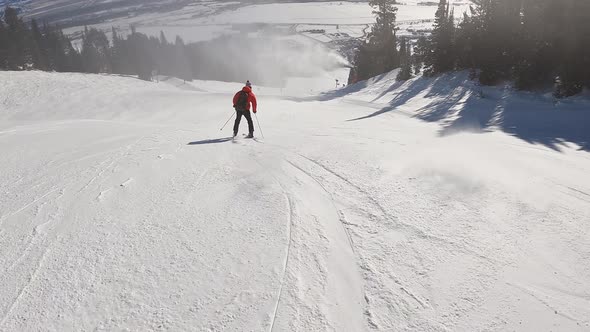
30 46
534 43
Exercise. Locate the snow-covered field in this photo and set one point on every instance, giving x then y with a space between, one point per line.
419 206
205 20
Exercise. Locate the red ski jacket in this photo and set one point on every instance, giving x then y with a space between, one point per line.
251 98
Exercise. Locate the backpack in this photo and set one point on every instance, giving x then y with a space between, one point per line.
242 103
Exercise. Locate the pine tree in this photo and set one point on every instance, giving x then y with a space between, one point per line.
405 72
440 58
183 69
95 51
165 53
534 43
119 54
16 36
574 57
38 47
496 45
22 47
421 49
379 54
50 46
163 39
140 57
3 46
583 37
535 65
67 57
465 39
382 39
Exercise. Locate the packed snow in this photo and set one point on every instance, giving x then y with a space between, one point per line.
429 205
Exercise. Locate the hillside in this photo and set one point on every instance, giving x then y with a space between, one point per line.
430 205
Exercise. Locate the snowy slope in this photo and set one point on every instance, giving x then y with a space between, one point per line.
124 207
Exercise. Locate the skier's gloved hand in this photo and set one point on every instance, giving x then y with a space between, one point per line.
254 111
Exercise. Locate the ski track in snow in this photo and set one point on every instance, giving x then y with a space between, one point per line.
23 290
342 220
26 206
287 254
362 196
111 163
118 223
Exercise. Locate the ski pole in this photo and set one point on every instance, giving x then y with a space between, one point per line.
256 116
232 115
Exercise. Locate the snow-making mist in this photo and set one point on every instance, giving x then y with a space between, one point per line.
267 59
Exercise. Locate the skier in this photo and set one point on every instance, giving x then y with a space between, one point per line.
242 101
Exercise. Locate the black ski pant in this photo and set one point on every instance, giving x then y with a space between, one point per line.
248 116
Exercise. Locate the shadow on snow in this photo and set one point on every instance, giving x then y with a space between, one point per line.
460 105
211 141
